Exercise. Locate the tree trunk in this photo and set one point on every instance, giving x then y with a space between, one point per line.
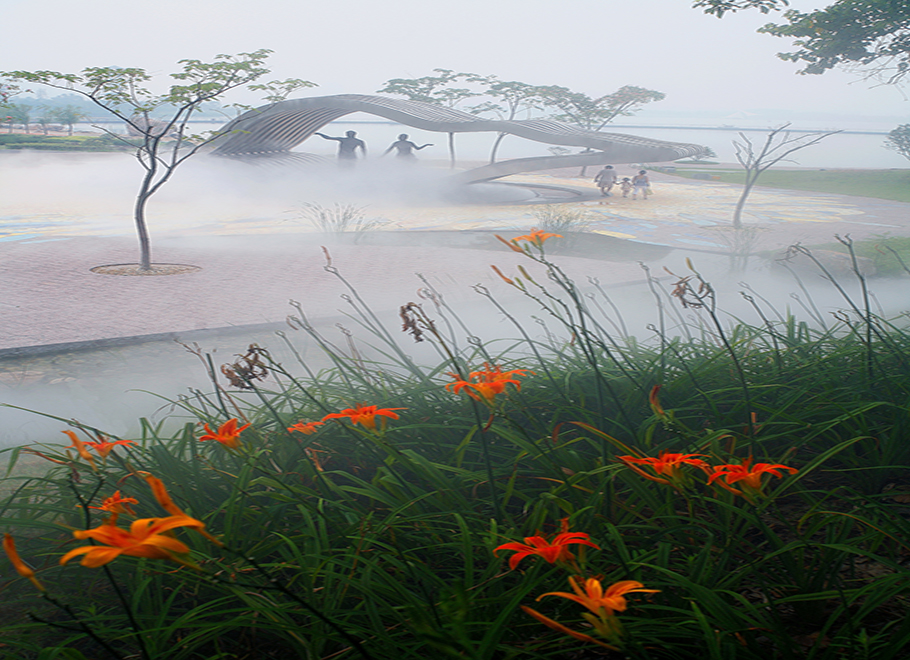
496 147
451 151
740 204
584 170
145 248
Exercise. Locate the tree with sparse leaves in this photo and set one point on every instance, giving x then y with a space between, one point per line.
19 113
592 114
438 90
122 92
899 140
69 114
508 99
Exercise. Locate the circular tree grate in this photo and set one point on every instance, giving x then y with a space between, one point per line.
134 269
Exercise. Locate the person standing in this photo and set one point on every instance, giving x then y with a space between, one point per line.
347 147
605 180
641 184
405 148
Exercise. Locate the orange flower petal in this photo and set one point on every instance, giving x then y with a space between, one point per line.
9 547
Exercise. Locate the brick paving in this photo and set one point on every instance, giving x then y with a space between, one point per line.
50 296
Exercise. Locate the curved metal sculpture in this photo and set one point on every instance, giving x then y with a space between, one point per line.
275 129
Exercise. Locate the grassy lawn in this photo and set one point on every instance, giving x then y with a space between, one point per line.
882 252
882 184
61 143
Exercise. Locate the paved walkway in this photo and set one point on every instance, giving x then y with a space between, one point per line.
252 264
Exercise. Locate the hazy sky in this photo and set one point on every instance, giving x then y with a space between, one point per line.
354 46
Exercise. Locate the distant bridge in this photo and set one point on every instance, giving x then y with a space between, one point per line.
274 130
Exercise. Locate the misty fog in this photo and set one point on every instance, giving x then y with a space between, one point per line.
235 215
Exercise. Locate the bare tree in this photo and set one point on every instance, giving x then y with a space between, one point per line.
779 144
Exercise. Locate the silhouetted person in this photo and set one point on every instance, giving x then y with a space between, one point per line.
347 147
405 148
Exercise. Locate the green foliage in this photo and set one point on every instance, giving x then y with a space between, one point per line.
721 7
436 89
882 184
890 255
353 541
7 92
20 113
870 35
592 114
899 140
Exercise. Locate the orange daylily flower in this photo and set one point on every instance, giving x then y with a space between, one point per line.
79 446
228 434
164 500
305 427
592 595
487 383
536 237
667 464
147 537
554 551
750 475
9 547
555 625
104 446
117 504
364 415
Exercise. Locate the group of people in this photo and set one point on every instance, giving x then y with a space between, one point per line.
638 184
348 146
605 179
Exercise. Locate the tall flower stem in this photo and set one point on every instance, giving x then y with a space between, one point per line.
415 316
355 642
82 626
134 624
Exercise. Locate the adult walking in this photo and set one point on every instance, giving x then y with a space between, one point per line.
641 184
605 180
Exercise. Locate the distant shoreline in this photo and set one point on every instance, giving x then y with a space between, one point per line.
675 127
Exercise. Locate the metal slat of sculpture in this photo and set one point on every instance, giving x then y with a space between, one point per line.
273 130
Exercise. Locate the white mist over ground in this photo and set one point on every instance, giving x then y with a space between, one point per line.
94 194
55 196
112 388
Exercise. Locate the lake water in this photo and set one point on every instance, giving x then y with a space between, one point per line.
862 150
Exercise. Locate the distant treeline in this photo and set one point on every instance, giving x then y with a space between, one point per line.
93 112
